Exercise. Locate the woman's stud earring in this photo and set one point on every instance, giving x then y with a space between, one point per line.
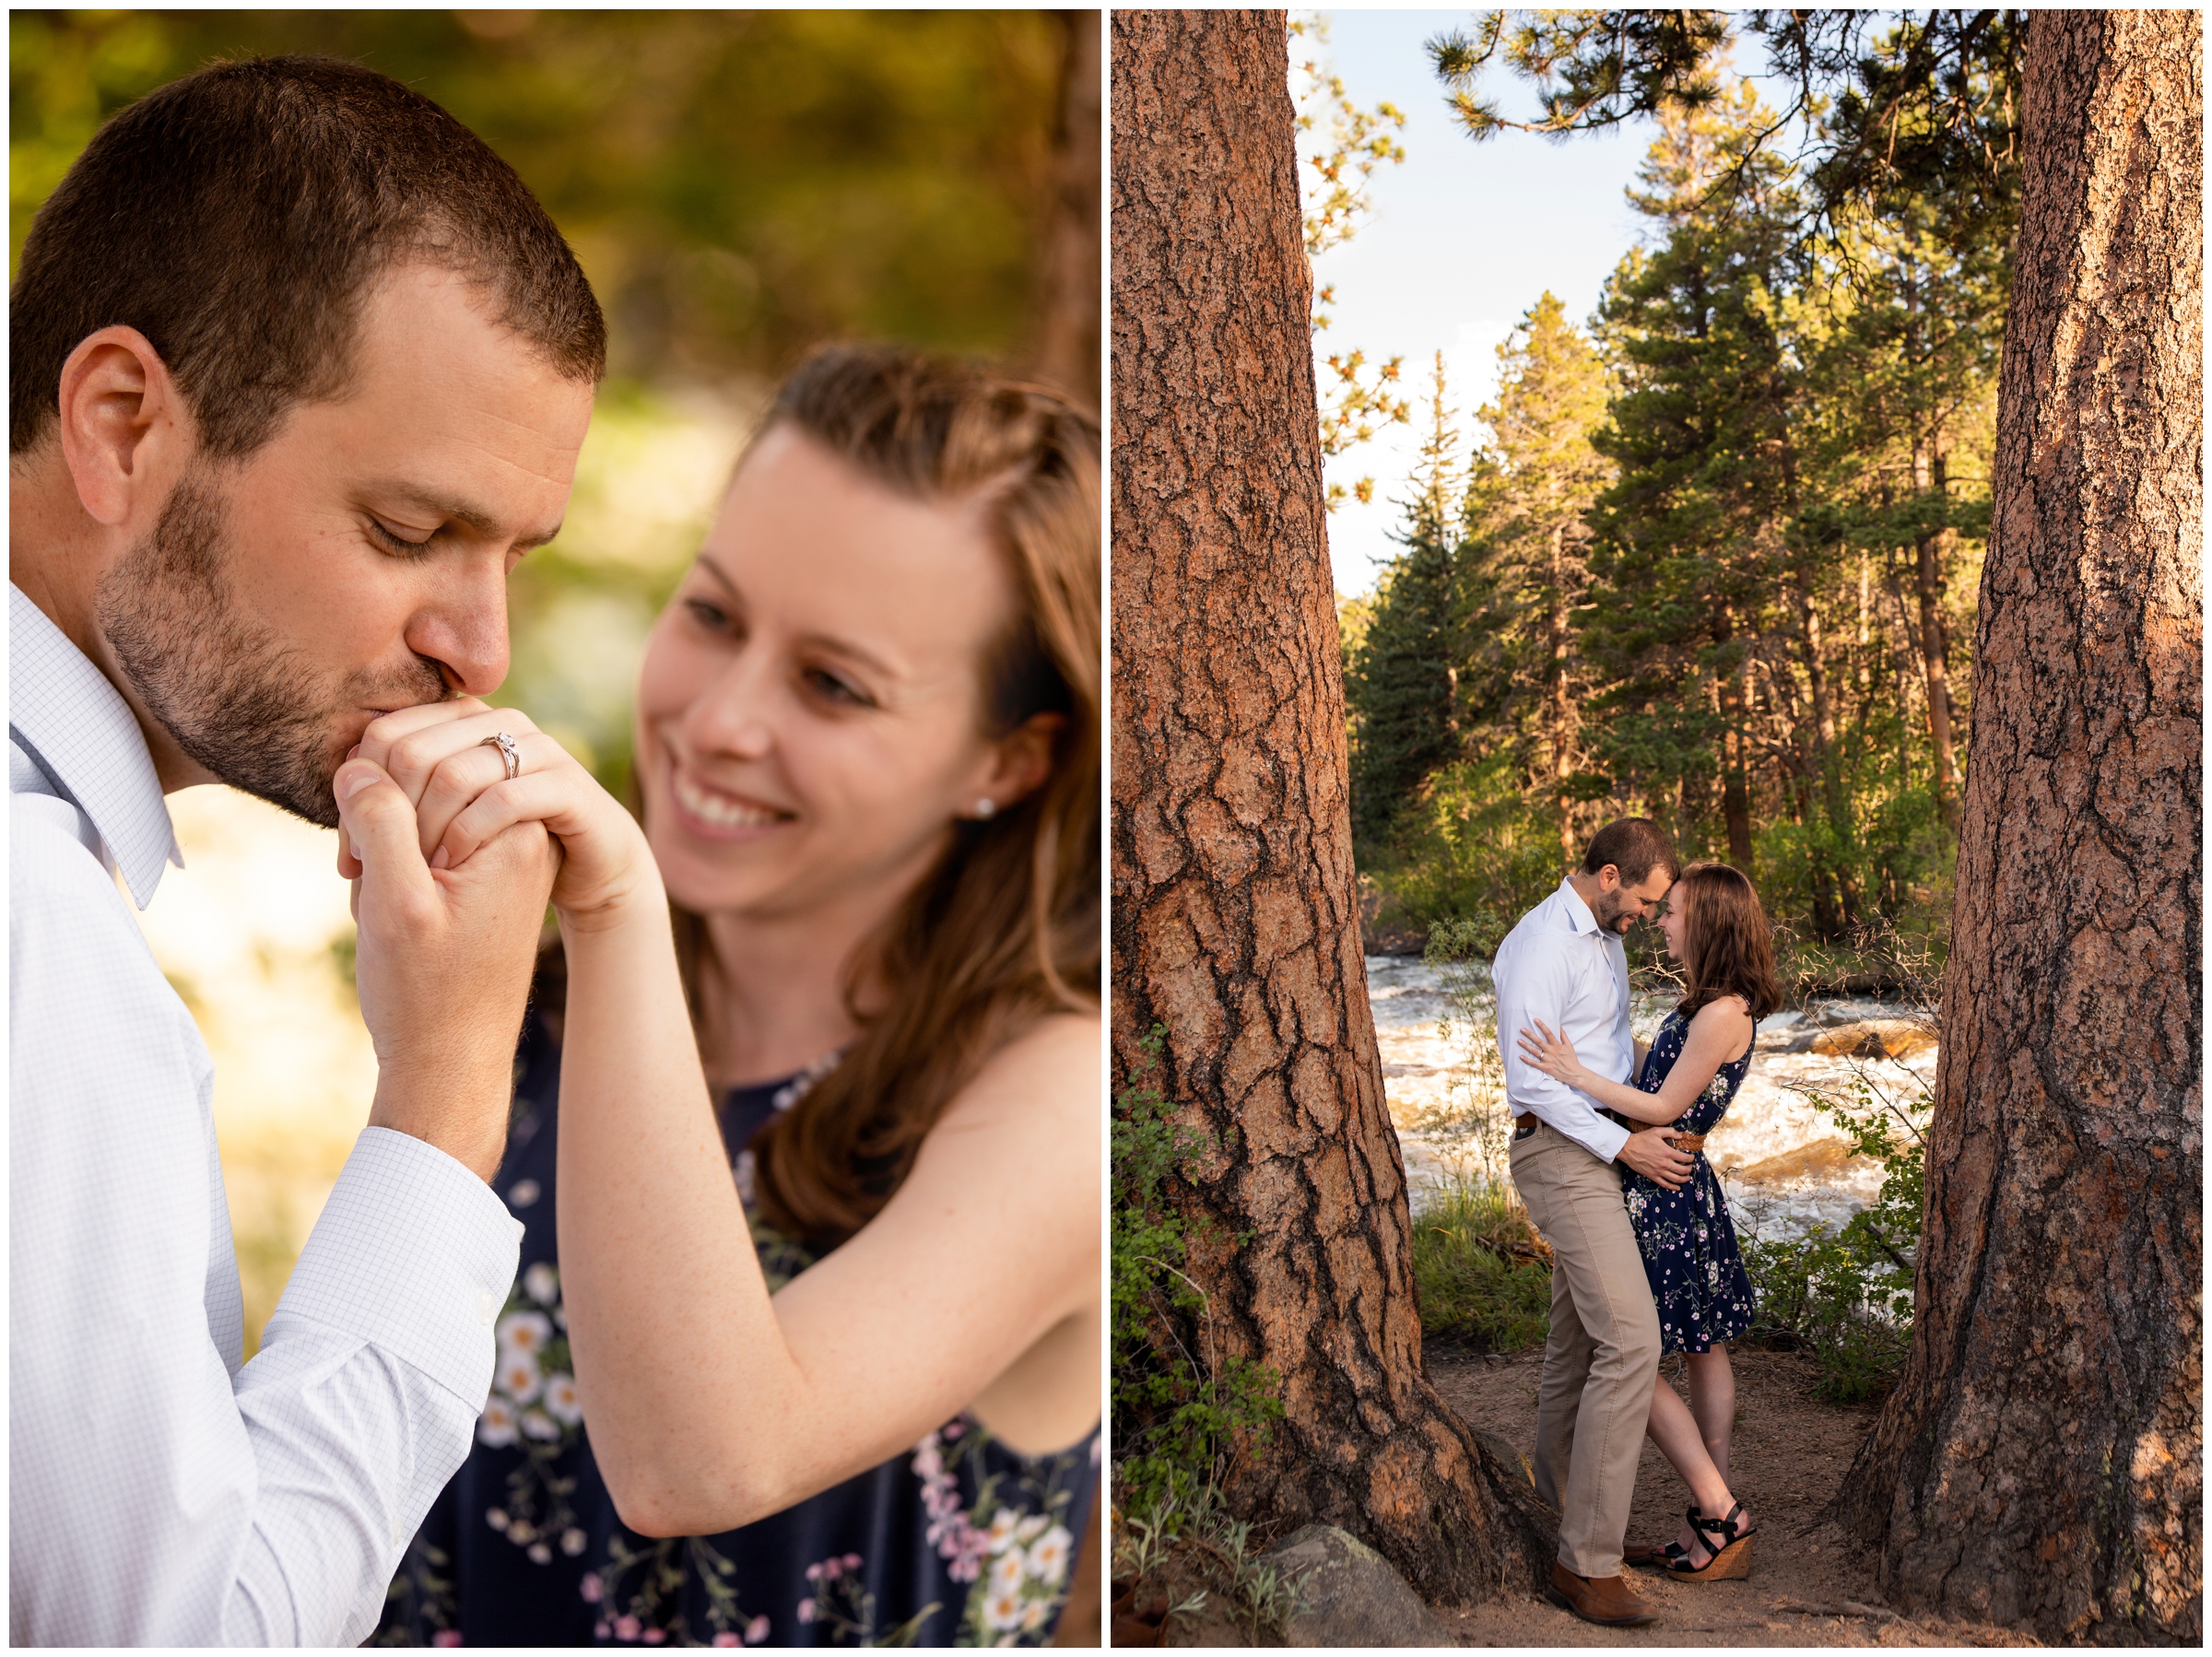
985 810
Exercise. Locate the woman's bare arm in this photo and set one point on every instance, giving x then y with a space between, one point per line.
709 1403
1718 1034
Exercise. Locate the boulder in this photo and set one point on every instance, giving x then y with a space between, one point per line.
1348 1594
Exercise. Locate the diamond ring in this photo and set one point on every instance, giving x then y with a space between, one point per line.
507 751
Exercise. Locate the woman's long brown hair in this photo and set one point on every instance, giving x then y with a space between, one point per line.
1727 946
1005 930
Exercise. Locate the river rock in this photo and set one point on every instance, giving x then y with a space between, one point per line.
1350 1595
1812 1161
1862 1038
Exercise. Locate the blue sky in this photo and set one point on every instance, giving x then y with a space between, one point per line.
1462 240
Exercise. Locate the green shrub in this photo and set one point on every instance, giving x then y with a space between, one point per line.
1177 1413
1847 1297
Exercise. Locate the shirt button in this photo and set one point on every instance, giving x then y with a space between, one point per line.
399 1537
487 1304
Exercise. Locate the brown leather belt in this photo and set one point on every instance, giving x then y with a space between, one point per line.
1525 1124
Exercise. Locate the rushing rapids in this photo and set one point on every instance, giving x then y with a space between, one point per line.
1784 1165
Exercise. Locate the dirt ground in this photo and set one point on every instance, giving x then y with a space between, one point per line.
1789 1453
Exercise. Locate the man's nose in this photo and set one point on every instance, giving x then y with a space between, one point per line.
466 633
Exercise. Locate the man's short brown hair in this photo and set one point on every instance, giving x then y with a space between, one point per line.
237 218
1635 846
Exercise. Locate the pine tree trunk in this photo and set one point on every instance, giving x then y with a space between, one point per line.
2041 1460
1233 906
1558 711
1066 350
1735 786
1934 650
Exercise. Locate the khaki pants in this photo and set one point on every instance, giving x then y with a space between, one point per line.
1602 1354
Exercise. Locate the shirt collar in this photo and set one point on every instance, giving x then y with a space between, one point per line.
1579 917
87 737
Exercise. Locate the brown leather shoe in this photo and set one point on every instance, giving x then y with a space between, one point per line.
1606 1601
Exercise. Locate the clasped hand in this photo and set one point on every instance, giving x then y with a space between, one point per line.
436 755
452 864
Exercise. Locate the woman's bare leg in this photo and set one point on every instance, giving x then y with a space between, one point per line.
1682 1437
1712 1402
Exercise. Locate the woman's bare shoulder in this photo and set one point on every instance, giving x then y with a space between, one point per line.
1050 1070
1723 1014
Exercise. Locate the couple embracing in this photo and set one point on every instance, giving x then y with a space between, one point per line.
1608 1156
725 1271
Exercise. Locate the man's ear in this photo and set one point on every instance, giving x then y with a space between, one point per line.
1023 758
125 432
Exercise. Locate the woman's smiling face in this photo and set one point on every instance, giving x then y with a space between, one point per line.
809 713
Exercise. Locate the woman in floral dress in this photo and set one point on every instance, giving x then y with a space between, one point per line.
806 1147
1716 927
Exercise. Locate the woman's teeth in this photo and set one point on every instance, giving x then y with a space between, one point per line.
720 809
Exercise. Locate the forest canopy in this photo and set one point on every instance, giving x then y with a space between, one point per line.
1713 556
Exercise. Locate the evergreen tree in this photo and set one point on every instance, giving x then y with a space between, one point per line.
1526 570
1403 686
1689 537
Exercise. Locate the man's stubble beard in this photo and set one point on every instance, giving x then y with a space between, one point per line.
1608 912
251 710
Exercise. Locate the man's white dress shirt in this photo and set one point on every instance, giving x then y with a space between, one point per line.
1558 965
160 1493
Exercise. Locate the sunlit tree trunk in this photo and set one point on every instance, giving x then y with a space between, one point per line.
1735 784
1935 641
1235 923
2041 1460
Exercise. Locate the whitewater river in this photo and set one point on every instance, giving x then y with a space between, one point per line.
1784 1165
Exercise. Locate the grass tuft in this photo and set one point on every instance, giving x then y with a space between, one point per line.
1483 1274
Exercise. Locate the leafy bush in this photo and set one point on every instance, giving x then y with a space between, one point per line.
1847 1297
1177 1413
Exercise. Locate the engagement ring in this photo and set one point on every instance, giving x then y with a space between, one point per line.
507 751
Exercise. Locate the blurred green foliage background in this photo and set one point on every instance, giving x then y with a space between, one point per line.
738 186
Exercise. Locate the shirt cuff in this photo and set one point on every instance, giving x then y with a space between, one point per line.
1603 1138
413 1254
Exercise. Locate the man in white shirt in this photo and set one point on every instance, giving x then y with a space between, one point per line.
1565 964
298 369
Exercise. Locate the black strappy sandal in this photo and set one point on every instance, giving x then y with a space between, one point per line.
1729 1545
1655 1558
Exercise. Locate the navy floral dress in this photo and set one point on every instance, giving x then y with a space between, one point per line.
1689 1242
956 1542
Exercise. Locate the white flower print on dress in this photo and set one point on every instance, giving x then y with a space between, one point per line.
496 1425
561 1399
1048 1557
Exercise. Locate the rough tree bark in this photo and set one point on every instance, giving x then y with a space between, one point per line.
2041 1460
1066 352
1234 907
